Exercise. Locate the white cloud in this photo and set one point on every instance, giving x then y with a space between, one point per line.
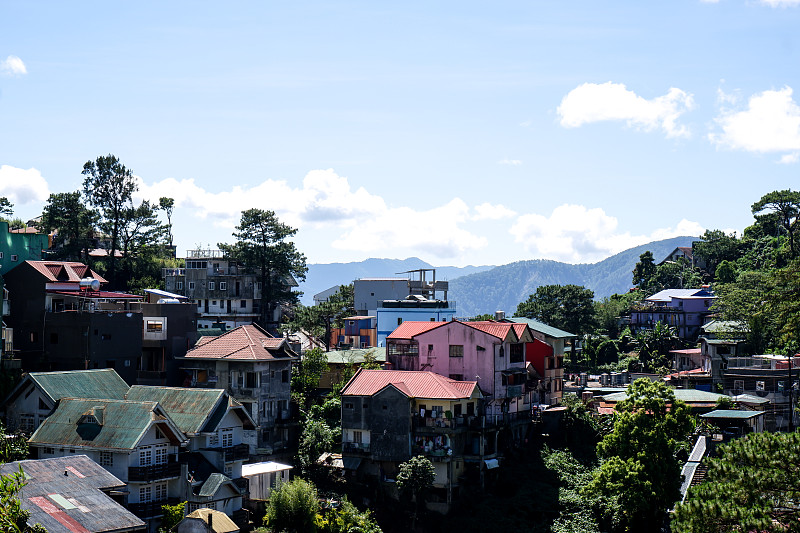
22 186
789 159
326 201
781 3
13 66
487 211
512 162
771 123
593 102
577 234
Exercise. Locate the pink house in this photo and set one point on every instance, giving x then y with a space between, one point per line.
491 353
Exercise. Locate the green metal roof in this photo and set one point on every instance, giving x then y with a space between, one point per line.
123 424
188 408
213 484
725 326
541 327
685 395
731 414
105 383
343 357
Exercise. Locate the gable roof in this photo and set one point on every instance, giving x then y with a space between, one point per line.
543 328
54 271
501 330
73 502
684 395
411 328
124 423
412 383
667 295
103 383
220 522
245 343
190 409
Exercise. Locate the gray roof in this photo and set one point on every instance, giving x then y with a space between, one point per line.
77 495
214 482
749 398
343 357
685 395
541 327
668 294
732 414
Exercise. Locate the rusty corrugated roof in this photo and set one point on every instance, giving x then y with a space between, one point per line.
64 271
248 342
413 383
190 409
410 328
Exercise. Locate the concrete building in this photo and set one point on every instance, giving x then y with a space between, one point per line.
683 309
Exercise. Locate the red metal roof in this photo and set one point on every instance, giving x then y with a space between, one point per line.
64 271
99 294
495 329
412 383
248 342
411 328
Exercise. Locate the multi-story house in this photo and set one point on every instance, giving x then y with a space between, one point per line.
546 355
720 340
255 368
223 291
64 321
35 397
358 332
136 441
683 309
492 353
389 416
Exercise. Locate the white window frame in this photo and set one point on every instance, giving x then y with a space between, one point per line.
227 437
223 285
191 285
211 285
179 285
160 492
145 494
106 458
13 257
161 455
145 455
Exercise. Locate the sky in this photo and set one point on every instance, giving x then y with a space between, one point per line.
458 132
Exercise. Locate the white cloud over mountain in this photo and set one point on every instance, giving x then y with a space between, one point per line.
598 102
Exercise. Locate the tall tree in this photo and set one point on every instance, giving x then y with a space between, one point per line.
414 477
644 271
74 223
6 207
640 467
753 484
141 237
655 345
744 302
716 246
109 186
293 506
568 307
262 245
786 205
167 205
321 317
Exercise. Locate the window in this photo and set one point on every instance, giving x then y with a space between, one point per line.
284 376
106 337
456 350
213 440
738 386
457 409
227 437
26 423
211 285
515 353
179 285
470 408
191 285
161 492
781 386
358 437
1 255
49 451
348 405
399 321
251 380
145 456
213 302
243 303
145 494
457 377
34 336
13 257
155 326
223 285
161 455
106 459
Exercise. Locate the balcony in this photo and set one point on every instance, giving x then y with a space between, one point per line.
146 474
147 510
355 448
434 423
238 452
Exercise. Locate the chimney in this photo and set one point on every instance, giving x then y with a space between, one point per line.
499 315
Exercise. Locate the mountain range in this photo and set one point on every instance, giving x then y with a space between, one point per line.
486 289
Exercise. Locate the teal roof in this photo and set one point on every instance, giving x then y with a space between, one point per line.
190 409
105 383
685 395
123 423
356 356
213 484
541 327
731 414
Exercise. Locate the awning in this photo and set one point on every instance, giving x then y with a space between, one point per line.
491 463
351 463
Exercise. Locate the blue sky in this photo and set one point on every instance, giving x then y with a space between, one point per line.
458 132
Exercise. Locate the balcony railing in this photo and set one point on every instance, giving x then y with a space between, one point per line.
355 447
147 510
238 452
154 472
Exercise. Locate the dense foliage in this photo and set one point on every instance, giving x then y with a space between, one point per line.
293 506
568 307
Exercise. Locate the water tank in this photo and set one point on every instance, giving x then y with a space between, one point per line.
499 315
89 284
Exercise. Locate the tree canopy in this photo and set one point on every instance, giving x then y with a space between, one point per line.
74 224
293 506
567 307
786 207
262 245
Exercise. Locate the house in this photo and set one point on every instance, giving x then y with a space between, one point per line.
492 353
358 332
389 416
223 290
135 441
214 424
64 321
340 360
73 494
206 520
735 423
546 355
681 253
698 401
683 309
255 368
35 397
719 340
263 477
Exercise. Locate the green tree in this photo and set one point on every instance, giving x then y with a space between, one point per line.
569 307
783 304
109 186
726 272
786 206
172 515
655 345
644 271
716 246
262 245
12 447
167 205
482 318
6 208
319 319
640 467
141 239
744 302
348 519
13 518
415 476
306 375
610 309
293 506
316 439
74 224
751 485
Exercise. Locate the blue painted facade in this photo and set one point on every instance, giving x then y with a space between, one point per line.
391 317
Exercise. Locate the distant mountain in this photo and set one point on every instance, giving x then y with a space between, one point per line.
502 288
326 275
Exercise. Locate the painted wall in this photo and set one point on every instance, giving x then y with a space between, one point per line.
388 318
